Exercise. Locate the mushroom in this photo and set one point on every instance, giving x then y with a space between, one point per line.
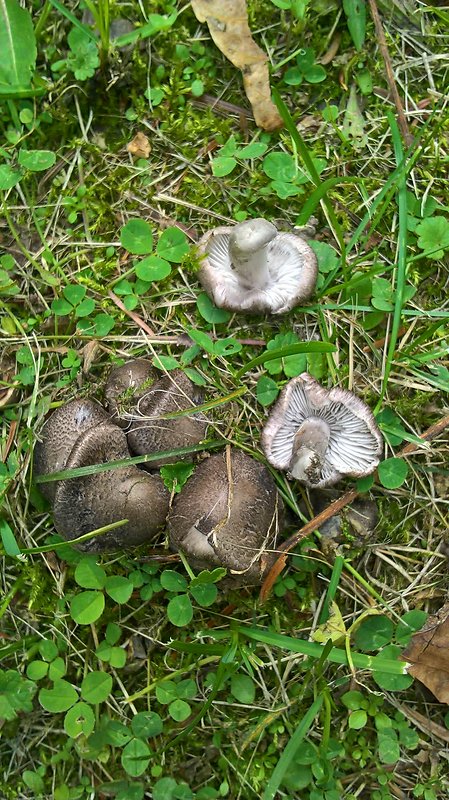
148 432
252 267
321 435
60 433
93 501
227 515
126 385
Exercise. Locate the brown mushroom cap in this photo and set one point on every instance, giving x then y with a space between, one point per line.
148 433
227 515
321 435
126 385
252 267
60 433
90 502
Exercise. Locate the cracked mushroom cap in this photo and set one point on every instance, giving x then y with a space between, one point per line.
227 515
252 267
320 435
126 385
60 433
149 433
86 503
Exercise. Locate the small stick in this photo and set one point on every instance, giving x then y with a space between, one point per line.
382 42
135 317
333 508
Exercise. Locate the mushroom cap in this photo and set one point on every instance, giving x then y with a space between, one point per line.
126 385
86 503
355 442
291 262
59 434
227 515
148 433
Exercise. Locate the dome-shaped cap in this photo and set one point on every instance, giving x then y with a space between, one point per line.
93 501
59 434
125 386
227 515
149 433
321 435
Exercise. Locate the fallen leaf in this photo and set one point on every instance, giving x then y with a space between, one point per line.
334 628
227 21
428 654
139 147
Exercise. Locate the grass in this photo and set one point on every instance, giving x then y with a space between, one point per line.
305 695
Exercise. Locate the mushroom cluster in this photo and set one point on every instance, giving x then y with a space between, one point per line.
81 433
229 512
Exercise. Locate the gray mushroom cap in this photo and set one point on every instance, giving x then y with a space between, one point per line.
148 432
86 503
253 267
60 433
228 515
320 435
126 385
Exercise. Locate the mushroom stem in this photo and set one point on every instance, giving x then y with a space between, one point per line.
309 447
249 252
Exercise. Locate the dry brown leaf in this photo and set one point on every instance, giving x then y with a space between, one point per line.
139 147
227 21
428 653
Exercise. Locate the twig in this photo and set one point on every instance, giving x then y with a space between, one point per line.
333 508
382 42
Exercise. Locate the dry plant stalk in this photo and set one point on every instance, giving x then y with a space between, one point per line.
334 508
227 21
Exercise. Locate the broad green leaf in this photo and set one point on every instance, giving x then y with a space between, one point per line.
387 680
173 581
374 632
179 710
33 781
137 237
393 472
80 719
36 160
89 574
119 588
243 688
205 594
36 670
96 687
355 11
209 311
357 720
153 268
74 293
135 757
179 610
173 245
17 44
9 177
253 150
223 165
8 538
16 694
87 607
280 167
60 697
146 724
202 339
85 308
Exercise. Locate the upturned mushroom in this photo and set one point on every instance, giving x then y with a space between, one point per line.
253 267
147 430
319 436
126 385
93 501
60 433
228 515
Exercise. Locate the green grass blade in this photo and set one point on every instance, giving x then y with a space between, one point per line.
74 20
283 352
401 275
332 588
314 650
93 469
291 750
